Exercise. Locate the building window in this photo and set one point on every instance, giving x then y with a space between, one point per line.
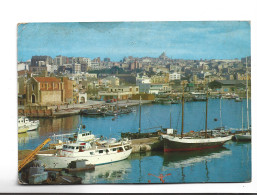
33 87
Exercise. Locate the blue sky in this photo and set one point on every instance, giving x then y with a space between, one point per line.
186 40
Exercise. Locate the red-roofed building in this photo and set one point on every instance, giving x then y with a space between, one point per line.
45 91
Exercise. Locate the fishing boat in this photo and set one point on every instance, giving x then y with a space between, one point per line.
92 112
245 135
189 143
25 123
95 153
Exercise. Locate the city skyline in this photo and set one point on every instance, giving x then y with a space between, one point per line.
179 40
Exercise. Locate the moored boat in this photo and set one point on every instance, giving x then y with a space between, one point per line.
94 153
23 129
25 123
172 143
80 136
197 142
92 112
245 135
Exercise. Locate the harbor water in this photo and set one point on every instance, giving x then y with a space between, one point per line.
230 163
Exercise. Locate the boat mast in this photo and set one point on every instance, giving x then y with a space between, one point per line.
220 113
182 123
242 117
206 114
170 119
139 129
247 95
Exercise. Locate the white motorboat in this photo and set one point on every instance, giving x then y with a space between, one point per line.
60 140
25 123
95 153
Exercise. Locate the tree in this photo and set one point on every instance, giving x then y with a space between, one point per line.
215 85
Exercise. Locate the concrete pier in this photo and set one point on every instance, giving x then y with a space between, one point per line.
146 144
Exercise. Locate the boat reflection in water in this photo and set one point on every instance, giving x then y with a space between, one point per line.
24 138
185 159
107 173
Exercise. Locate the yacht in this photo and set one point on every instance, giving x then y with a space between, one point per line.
96 152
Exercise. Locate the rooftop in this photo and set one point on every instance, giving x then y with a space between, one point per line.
47 79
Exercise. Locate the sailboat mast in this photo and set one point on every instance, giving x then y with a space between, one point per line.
170 119
247 95
220 113
139 129
182 122
242 117
206 114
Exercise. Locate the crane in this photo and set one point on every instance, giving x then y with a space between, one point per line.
31 156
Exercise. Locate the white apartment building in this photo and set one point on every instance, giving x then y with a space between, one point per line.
174 76
143 79
22 66
88 61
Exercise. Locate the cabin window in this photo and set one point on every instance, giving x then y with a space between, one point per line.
77 147
114 149
101 151
72 147
91 153
83 134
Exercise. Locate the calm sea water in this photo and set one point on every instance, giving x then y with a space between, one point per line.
231 163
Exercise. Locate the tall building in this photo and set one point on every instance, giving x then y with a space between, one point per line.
76 68
37 60
87 61
107 59
60 60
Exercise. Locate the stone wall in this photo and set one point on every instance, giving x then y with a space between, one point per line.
48 97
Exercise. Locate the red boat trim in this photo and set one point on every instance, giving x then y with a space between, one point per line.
189 149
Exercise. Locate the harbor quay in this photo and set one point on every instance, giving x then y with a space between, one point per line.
52 111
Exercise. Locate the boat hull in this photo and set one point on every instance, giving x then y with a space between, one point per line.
52 161
173 144
241 137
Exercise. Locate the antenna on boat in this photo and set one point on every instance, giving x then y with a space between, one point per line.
182 123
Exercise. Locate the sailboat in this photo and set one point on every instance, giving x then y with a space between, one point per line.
246 134
180 143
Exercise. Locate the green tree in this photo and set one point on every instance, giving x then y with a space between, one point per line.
214 85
